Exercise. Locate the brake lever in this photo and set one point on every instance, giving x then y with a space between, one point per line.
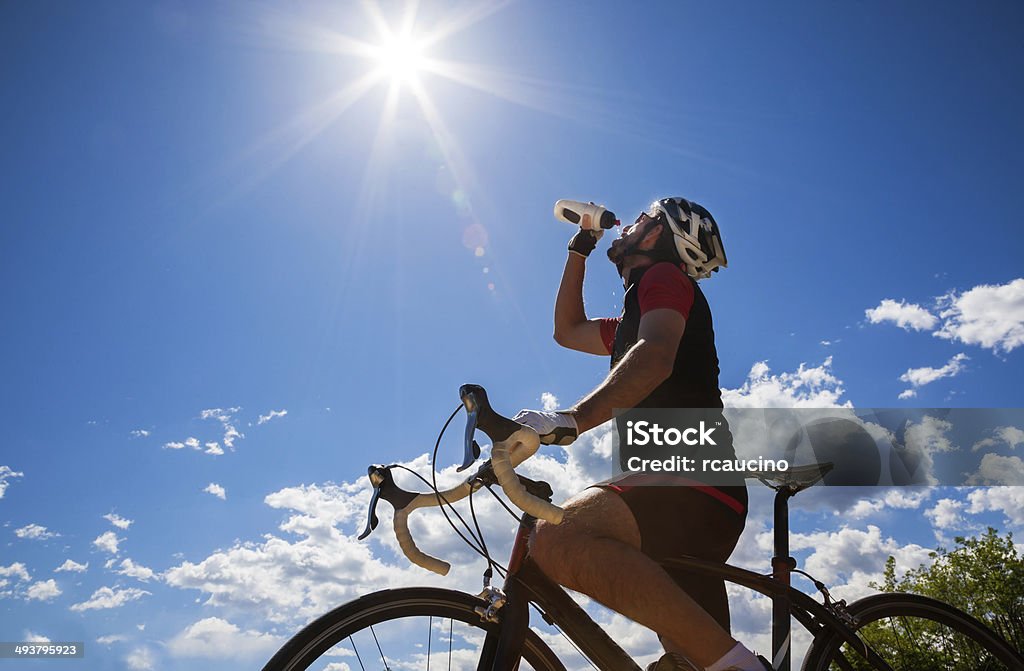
384 487
472 451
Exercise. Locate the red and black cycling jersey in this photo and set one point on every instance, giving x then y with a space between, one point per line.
694 379
693 382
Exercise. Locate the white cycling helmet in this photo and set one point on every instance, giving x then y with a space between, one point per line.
696 236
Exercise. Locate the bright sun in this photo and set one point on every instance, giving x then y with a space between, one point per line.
401 57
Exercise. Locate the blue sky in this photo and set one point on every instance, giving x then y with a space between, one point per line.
202 211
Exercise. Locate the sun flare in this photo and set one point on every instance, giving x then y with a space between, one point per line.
401 58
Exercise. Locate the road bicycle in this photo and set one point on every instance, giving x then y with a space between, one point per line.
385 630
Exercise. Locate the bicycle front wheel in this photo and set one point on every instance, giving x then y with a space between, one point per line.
911 633
412 628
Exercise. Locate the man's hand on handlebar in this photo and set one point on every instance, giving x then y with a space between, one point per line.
555 428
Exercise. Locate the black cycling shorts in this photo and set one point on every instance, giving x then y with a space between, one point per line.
684 520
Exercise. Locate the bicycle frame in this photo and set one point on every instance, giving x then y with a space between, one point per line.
526 584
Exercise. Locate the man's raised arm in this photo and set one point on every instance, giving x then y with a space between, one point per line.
572 328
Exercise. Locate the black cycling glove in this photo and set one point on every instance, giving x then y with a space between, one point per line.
584 242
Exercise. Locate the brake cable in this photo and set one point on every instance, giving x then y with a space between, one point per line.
471 543
475 541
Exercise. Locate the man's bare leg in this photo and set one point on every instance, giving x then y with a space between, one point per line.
596 551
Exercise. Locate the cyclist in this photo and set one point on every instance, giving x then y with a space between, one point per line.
662 356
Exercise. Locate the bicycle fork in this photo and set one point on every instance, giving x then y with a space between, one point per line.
503 646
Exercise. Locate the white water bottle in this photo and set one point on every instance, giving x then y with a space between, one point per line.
585 215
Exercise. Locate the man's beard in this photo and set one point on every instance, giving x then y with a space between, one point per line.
619 250
623 248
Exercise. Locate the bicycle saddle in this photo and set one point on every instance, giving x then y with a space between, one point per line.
796 479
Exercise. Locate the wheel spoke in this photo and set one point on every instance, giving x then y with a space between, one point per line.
383 661
356 650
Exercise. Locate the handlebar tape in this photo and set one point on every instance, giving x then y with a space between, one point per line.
503 461
404 536
409 549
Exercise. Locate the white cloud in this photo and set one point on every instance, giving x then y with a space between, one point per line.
211 447
106 597
929 435
853 555
214 638
44 590
107 541
226 419
923 440
111 638
907 393
7 474
32 637
1007 500
231 434
263 419
219 414
946 514
1008 435
862 509
133 570
908 499
814 387
548 402
35 532
216 490
905 315
140 659
329 503
72 566
998 470
118 521
15 570
893 498
991 316
918 377
140 433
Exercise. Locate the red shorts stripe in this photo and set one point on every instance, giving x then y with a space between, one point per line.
676 481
